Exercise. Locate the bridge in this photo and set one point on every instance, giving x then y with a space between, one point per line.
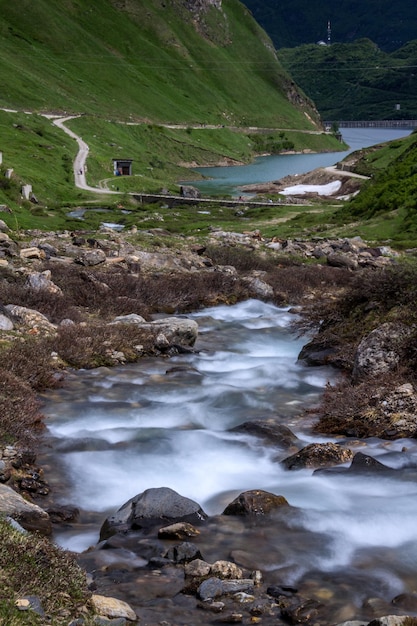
173 201
405 124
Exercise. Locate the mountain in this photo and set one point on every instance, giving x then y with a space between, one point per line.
292 23
157 60
357 80
166 83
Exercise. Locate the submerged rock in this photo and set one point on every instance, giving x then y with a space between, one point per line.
269 431
361 463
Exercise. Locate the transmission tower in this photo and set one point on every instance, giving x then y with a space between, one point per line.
329 33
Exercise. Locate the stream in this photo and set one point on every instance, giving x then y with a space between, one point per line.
113 433
350 539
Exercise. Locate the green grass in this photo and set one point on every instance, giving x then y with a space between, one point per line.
144 61
351 81
30 565
41 154
151 65
139 62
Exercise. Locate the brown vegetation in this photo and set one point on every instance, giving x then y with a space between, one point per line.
92 297
371 298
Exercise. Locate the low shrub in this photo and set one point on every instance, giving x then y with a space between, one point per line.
31 362
20 416
293 284
95 345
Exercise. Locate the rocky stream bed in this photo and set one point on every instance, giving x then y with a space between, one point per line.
161 559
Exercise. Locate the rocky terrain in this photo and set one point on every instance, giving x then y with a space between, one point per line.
173 533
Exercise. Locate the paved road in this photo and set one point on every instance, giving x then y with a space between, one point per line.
79 165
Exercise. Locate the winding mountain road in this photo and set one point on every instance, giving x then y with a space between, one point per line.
79 165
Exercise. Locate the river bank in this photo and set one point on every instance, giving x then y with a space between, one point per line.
79 285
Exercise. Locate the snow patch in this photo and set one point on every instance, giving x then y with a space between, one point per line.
321 190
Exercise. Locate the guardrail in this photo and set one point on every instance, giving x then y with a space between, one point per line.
373 124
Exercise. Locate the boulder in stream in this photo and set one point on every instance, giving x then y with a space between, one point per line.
268 431
150 508
318 455
255 502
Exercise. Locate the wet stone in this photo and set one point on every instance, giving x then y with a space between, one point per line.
210 588
181 530
183 553
318 455
255 502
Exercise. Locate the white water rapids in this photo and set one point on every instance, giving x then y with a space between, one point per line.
166 423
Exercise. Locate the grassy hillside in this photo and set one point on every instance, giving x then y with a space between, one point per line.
389 199
131 69
357 80
143 60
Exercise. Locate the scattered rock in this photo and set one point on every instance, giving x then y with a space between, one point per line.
111 607
30 516
318 455
181 530
89 258
41 281
255 502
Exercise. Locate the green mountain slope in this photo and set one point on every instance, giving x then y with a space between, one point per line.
356 81
165 83
196 61
390 196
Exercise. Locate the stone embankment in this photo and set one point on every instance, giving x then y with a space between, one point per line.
160 523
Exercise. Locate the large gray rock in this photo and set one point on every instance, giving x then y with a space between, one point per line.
168 332
379 352
30 516
173 331
41 281
30 319
150 508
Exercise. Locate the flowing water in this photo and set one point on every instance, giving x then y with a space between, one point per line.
113 433
167 423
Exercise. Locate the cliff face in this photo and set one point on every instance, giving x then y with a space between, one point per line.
202 5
